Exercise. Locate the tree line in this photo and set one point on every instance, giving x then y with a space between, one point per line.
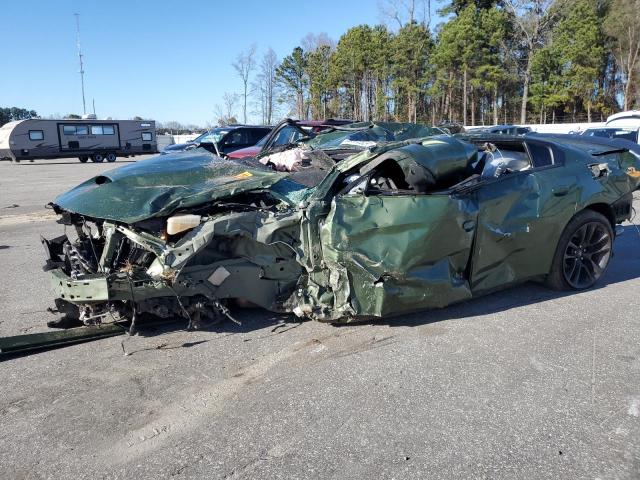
10 114
504 61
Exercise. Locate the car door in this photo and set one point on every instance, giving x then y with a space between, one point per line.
521 216
394 253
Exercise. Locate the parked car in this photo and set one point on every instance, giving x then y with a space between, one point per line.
223 139
626 133
287 132
357 231
451 127
502 130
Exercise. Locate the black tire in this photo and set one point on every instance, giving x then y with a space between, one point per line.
97 158
111 157
583 252
83 158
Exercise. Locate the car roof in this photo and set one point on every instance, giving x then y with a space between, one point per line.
233 127
613 127
626 114
588 144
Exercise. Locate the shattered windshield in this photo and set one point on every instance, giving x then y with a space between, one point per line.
358 136
291 190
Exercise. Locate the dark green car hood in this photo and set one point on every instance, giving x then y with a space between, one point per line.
161 185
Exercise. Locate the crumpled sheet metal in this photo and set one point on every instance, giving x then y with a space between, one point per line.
367 134
161 185
259 251
396 254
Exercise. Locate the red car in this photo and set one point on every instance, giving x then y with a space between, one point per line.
287 131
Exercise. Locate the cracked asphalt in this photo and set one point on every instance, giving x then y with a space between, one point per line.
525 383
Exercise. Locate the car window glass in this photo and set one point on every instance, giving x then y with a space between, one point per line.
262 141
211 137
541 155
236 138
287 135
257 135
625 134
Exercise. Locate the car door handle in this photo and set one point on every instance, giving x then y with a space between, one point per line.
561 191
468 225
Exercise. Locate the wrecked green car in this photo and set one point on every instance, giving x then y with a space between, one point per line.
358 230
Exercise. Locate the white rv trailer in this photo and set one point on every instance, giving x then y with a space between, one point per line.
85 139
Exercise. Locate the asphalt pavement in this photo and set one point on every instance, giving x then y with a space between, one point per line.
526 383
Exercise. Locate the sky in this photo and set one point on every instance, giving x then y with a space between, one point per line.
163 60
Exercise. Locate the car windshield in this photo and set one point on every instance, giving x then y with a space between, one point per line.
211 136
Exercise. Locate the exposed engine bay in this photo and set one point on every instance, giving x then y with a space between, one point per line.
139 265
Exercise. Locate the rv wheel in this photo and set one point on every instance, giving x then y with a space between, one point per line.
97 157
83 158
111 157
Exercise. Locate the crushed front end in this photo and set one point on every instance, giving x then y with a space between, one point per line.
242 246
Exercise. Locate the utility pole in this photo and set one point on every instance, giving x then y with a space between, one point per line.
84 105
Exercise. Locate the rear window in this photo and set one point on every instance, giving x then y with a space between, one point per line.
541 155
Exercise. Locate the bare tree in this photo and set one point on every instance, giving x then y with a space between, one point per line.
405 11
311 41
266 85
533 19
225 112
173 126
244 65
